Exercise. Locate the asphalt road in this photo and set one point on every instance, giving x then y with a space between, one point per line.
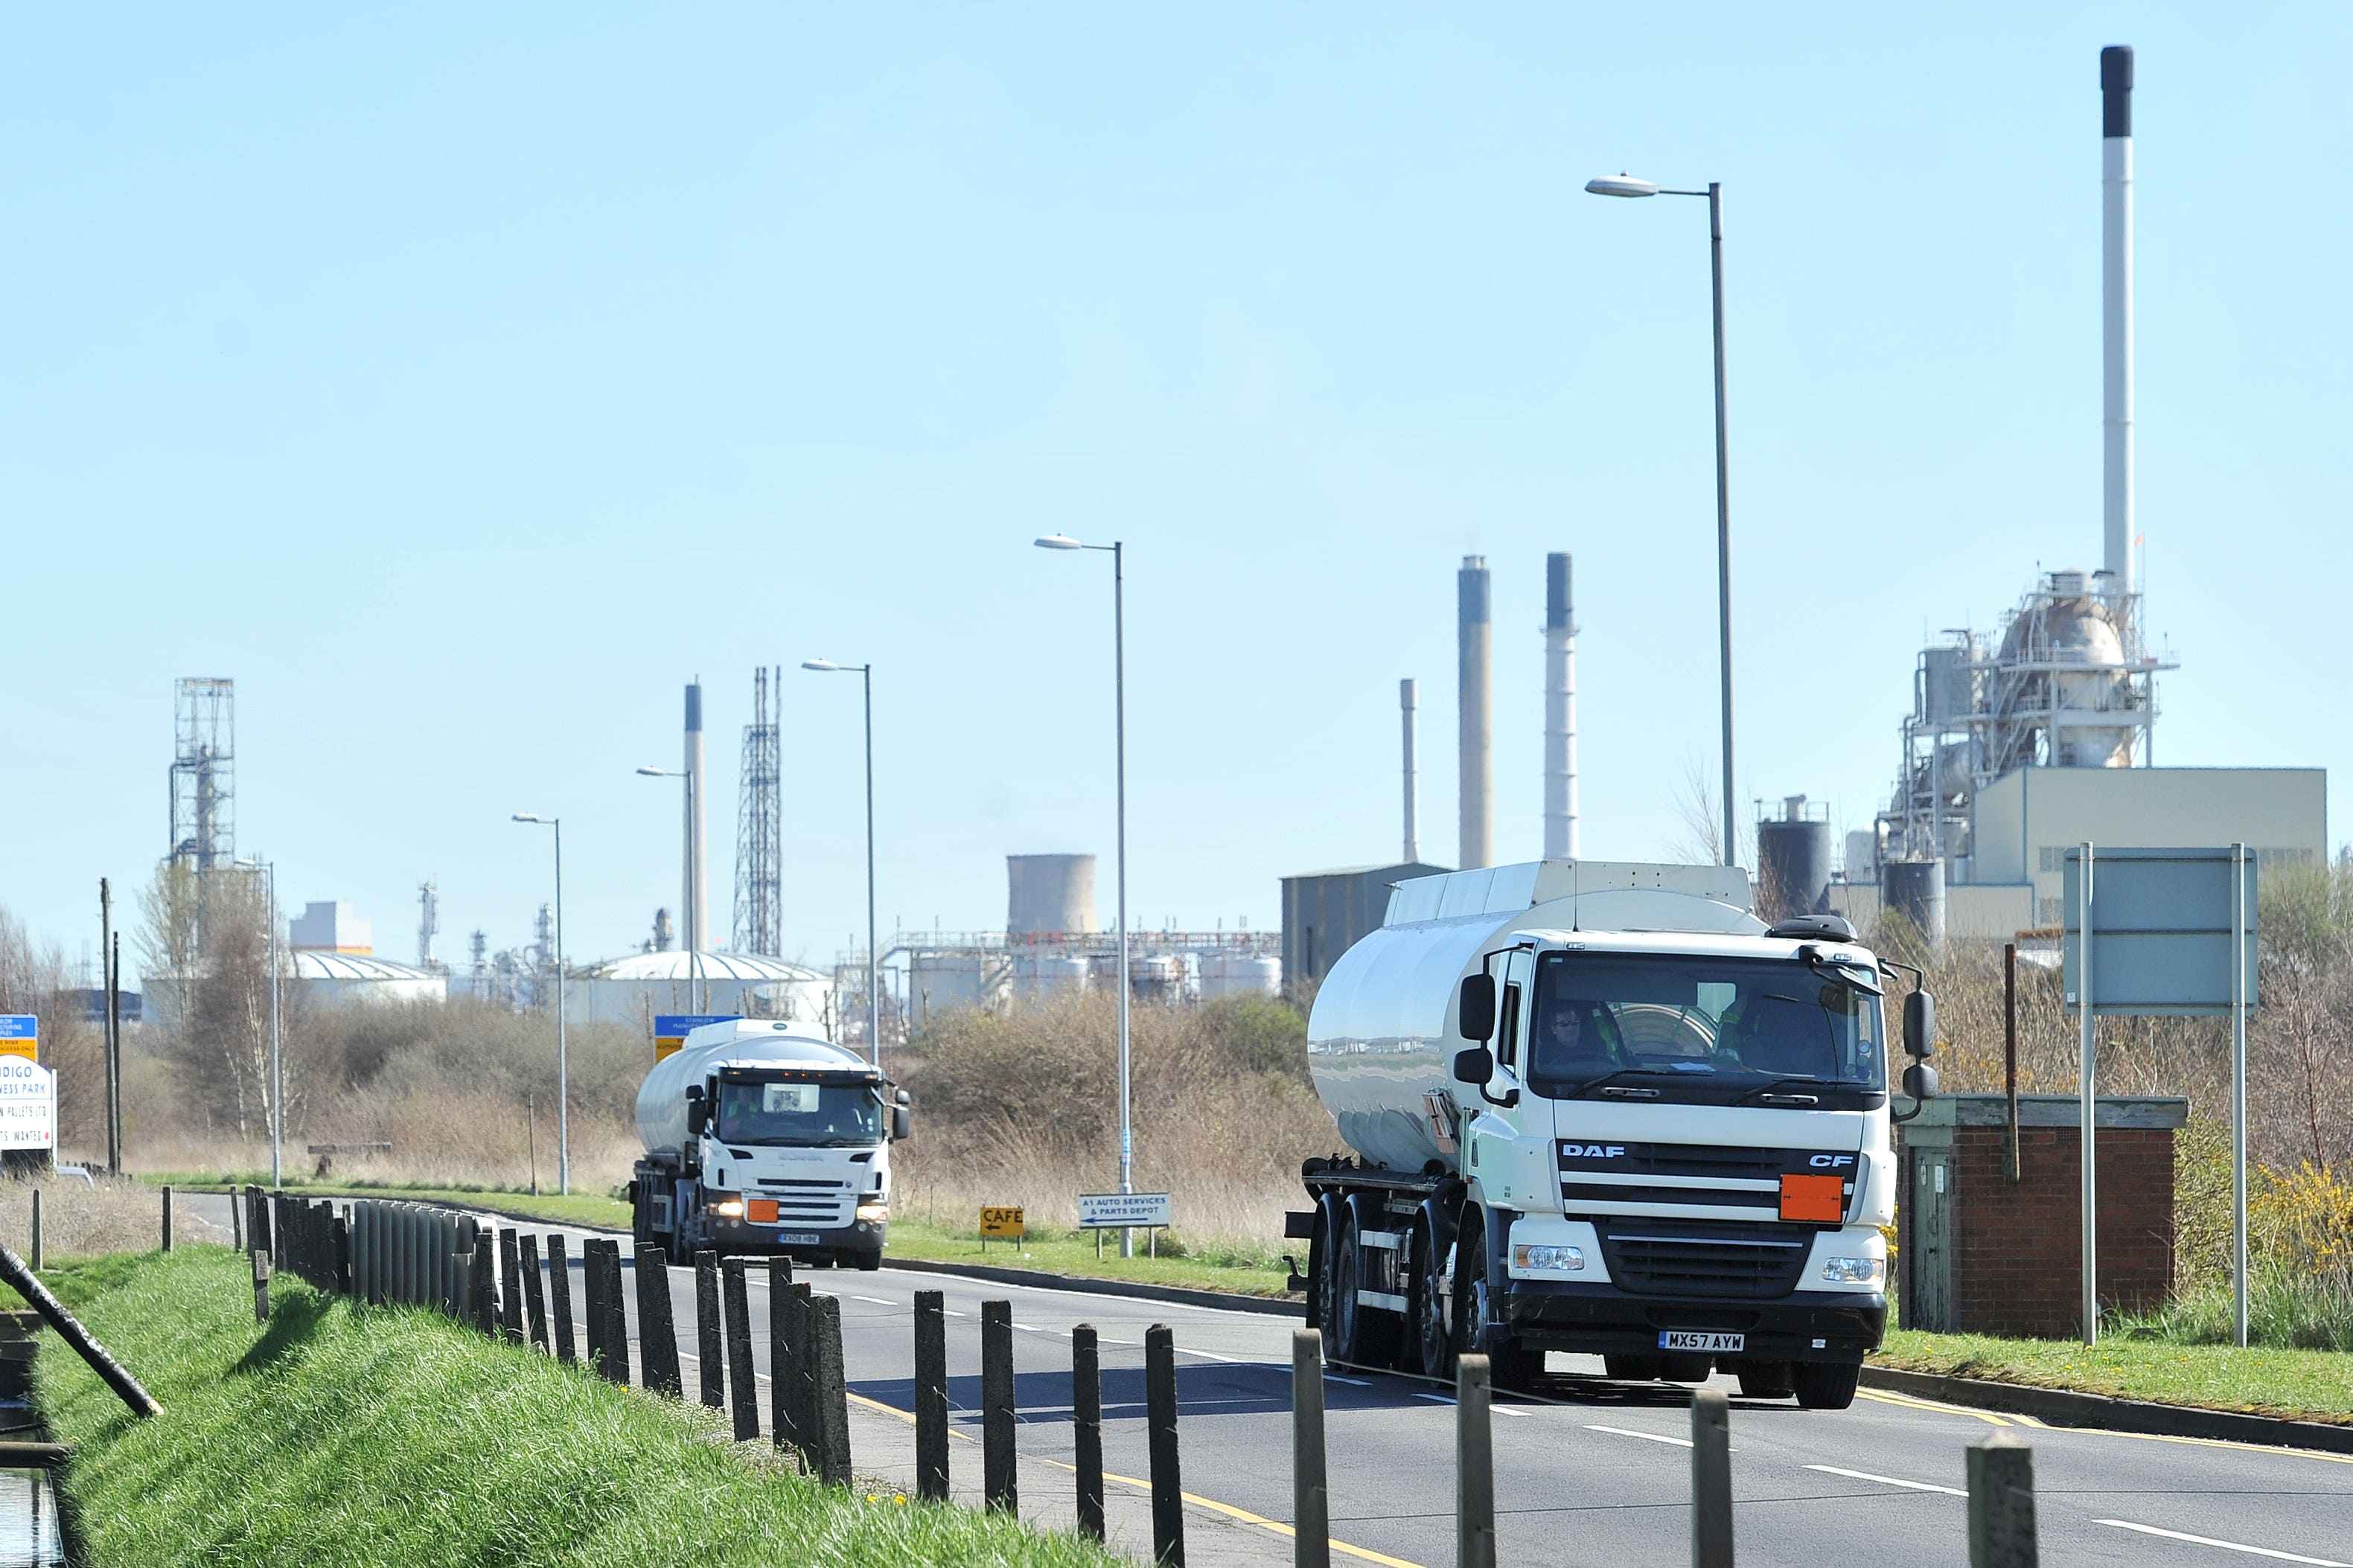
1597 1472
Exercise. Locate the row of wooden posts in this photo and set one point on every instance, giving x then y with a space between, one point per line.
810 1410
33 1254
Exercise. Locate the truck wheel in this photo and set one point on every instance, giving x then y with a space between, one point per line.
869 1262
1320 1315
1508 1366
1825 1386
1632 1368
1364 1335
1765 1378
1685 1368
1433 1346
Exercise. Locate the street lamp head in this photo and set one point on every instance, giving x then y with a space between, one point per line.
1058 542
824 665
657 773
529 816
1621 184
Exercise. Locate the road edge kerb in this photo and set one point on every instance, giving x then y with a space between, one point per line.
2066 1407
1038 1280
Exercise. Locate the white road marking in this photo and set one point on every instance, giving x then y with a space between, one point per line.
876 1299
1433 1398
1031 1328
1212 1355
1507 1410
1646 1437
1888 1480
1351 1382
2225 1545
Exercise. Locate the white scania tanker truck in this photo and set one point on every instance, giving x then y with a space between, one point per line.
760 1139
1602 1108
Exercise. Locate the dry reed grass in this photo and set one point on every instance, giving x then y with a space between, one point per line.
83 1219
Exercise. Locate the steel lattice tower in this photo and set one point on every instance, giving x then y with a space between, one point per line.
203 772
760 826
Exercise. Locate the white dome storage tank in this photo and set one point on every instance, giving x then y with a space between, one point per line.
1240 974
944 982
1040 977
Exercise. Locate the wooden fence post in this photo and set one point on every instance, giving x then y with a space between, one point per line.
1086 1427
607 1264
510 1287
1160 1421
261 1286
783 1370
1710 1430
801 1319
1474 1465
559 1282
167 1216
2001 1504
932 1398
534 1291
1311 1504
743 1391
999 1484
708 1365
832 1390
36 1230
657 1329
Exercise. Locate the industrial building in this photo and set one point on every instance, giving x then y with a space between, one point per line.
2027 743
635 989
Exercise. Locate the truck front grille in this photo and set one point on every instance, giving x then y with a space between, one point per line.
1684 1257
805 1203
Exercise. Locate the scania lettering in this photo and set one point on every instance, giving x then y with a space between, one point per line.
1603 1109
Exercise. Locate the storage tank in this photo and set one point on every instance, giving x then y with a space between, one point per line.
1949 684
1159 978
1040 977
1915 890
943 982
1226 974
741 1042
1793 862
1049 895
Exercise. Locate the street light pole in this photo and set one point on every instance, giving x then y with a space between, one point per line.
277 1078
1625 186
1118 699
873 955
562 1055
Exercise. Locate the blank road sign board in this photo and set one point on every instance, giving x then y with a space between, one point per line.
2162 936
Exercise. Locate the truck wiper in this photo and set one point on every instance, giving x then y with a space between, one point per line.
1609 1078
1766 1090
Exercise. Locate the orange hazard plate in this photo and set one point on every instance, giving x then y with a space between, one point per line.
763 1211
1813 1198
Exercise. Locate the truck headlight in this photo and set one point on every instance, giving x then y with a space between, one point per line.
1550 1259
874 1213
726 1205
1853 1271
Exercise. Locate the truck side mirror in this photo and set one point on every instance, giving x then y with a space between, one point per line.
697 1117
1919 1024
1477 1011
1920 1081
1476 1065
903 1121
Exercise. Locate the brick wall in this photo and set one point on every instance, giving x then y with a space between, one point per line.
2017 1250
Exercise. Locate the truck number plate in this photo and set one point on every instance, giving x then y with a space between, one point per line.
806 1239
1697 1339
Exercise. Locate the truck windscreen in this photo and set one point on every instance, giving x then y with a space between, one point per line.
1704 1030
800 1113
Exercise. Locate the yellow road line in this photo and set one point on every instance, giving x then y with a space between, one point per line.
1911 1403
1933 1407
1242 1515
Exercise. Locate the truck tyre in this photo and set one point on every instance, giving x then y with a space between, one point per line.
1433 1320
1765 1378
1825 1386
869 1262
1362 1335
1320 1297
1509 1367
1632 1368
1685 1367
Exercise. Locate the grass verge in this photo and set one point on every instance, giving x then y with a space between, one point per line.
2305 1385
574 1208
338 1436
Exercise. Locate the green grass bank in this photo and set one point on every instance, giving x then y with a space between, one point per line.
2305 1385
343 1436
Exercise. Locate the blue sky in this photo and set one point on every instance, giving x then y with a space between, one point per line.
463 382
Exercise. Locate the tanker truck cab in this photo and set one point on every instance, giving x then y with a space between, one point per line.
1660 1131
760 1140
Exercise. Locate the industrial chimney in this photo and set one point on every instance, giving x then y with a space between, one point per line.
1475 647
1560 713
1408 703
2116 311
697 903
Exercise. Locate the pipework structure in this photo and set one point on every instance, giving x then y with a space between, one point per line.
1475 656
760 826
1560 713
203 772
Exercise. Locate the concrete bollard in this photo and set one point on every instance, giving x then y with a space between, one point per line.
743 1391
559 1283
2001 1504
1474 1464
709 1366
1160 1424
832 1390
167 1216
510 1288
1710 1430
1086 1427
534 1291
1311 1497
261 1286
657 1329
1001 1484
932 1399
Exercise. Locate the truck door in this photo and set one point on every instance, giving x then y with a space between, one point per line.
1510 1140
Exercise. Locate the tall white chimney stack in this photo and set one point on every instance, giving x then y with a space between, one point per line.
1474 651
1560 711
698 897
2116 311
1408 703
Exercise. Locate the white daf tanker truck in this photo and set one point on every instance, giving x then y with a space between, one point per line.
1602 1108
761 1139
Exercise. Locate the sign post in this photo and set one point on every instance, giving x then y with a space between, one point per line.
2162 932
